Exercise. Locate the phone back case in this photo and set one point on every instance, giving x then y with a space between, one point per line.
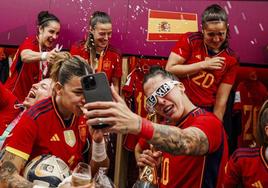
100 91
96 88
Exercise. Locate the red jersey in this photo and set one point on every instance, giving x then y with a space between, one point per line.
24 75
249 98
247 168
202 87
7 111
198 171
35 135
111 60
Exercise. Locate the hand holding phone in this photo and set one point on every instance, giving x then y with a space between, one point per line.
96 88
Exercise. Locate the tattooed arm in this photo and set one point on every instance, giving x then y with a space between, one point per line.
10 167
176 141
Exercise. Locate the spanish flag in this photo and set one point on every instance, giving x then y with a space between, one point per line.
166 25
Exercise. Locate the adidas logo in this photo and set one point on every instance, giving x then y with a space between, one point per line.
55 138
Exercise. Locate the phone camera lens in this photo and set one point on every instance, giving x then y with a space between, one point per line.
92 81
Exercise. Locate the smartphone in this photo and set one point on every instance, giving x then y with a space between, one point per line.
96 88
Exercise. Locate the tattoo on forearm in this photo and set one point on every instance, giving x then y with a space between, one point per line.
9 174
191 141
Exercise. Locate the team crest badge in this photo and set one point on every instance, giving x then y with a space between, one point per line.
83 132
69 137
164 27
107 65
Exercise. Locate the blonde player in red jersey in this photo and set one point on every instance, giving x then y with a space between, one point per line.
54 126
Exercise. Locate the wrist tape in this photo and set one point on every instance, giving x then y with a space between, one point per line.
44 56
99 151
147 129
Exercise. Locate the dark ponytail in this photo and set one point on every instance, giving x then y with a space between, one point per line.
44 17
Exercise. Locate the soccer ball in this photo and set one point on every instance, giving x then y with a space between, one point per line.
46 170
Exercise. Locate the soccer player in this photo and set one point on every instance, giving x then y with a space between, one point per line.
194 151
248 167
30 64
11 110
204 62
102 57
249 97
96 49
54 126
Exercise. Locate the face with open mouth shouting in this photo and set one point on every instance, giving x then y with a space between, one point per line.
39 91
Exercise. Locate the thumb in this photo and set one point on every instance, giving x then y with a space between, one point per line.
115 95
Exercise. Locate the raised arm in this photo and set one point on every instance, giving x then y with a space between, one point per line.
29 55
166 138
10 167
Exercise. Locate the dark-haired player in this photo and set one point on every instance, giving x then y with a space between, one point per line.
30 63
205 63
194 152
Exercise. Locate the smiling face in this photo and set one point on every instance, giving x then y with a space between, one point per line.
102 33
70 97
39 91
171 105
215 34
49 34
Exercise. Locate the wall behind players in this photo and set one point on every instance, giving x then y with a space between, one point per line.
130 21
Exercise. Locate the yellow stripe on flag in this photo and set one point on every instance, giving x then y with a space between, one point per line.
173 26
167 25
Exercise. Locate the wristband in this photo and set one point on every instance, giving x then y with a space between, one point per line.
147 129
98 151
44 56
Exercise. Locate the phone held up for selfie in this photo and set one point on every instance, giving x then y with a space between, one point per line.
96 88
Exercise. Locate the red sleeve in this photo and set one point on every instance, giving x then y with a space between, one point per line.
24 135
30 43
213 129
232 171
182 47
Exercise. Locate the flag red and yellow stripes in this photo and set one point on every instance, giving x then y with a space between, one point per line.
166 25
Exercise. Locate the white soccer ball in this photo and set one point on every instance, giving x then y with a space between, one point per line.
46 170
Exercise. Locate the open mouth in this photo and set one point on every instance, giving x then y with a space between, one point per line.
32 94
167 110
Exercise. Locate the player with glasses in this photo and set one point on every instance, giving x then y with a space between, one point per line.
194 151
162 91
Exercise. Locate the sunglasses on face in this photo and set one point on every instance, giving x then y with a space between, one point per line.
161 91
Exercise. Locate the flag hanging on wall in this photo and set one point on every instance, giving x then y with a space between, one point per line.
166 25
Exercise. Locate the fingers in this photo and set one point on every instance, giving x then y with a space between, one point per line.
116 96
147 158
214 63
